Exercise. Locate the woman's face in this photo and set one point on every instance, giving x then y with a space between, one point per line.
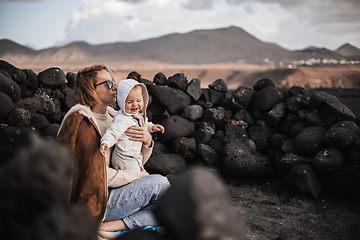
107 96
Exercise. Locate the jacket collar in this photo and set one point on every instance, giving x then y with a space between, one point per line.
86 112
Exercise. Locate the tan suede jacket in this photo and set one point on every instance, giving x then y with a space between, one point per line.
91 172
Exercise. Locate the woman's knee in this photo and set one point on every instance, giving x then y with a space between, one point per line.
161 181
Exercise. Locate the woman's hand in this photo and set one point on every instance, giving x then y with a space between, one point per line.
140 134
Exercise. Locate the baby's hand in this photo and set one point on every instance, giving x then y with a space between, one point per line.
103 148
158 128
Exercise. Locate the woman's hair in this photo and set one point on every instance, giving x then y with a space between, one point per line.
85 88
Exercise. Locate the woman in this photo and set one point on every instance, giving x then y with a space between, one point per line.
126 204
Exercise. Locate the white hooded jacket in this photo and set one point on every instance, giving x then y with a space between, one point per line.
115 134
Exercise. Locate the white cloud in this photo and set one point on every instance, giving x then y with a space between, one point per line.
291 24
24 1
112 20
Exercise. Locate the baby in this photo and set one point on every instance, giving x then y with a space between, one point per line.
132 98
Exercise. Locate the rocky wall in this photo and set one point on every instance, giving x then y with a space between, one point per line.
311 141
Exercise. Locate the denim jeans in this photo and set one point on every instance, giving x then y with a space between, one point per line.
133 202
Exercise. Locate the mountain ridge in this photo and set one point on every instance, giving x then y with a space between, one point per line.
231 44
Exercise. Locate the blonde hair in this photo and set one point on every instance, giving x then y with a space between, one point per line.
85 88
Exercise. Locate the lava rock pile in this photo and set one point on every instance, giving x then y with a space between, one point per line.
247 133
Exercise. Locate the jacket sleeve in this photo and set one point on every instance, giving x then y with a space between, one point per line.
149 125
116 129
146 152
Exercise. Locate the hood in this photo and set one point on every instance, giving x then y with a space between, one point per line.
123 89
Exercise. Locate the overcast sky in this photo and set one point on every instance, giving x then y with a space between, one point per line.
293 24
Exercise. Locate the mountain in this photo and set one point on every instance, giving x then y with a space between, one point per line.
197 47
320 52
348 50
9 47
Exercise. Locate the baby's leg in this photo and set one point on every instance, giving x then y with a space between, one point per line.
127 162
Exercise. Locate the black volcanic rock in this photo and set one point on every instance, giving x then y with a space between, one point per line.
341 135
202 136
166 164
328 160
234 133
16 74
185 147
216 97
32 79
11 141
310 140
291 160
179 81
39 121
295 103
193 89
297 128
334 111
193 112
277 139
23 111
71 80
287 122
134 75
52 77
244 115
219 85
174 100
160 79
215 115
176 126
10 87
262 83
275 114
260 133
241 162
69 98
48 106
243 97
318 99
287 146
266 98
296 91
51 130
304 179
313 118
6 106
208 154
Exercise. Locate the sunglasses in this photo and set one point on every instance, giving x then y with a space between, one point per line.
110 83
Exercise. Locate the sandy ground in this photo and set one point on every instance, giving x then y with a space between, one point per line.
272 210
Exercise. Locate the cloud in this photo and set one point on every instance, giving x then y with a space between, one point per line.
198 4
24 1
291 24
114 20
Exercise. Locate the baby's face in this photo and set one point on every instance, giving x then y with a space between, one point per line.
134 101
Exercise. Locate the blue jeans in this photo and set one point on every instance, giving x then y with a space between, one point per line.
133 202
